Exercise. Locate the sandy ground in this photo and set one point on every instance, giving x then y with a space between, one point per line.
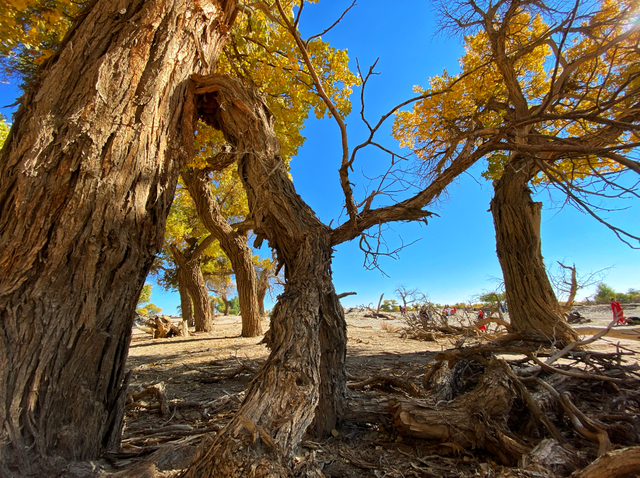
375 347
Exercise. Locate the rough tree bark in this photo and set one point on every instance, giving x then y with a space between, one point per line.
262 286
304 378
191 279
234 245
186 307
87 175
533 306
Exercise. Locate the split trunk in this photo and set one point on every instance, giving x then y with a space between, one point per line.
234 245
303 383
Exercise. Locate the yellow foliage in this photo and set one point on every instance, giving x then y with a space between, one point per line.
602 68
33 28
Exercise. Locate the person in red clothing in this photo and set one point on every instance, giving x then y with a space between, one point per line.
480 317
618 314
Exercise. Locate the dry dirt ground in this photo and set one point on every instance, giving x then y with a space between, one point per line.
193 372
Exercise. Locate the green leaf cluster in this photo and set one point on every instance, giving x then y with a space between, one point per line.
604 293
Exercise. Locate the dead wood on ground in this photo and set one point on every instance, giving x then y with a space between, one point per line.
161 327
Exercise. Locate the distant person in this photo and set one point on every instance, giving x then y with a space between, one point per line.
424 314
403 311
618 314
480 319
455 309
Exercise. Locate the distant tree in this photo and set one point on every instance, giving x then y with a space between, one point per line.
634 295
568 283
390 305
548 95
145 307
222 286
604 293
145 294
408 296
493 298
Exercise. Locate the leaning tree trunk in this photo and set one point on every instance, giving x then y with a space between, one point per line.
87 176
191 279
533 307
304 381
234 245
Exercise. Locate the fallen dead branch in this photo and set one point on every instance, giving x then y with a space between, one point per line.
623 332
156 391
160 327
243 368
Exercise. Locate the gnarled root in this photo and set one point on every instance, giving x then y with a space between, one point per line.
477 419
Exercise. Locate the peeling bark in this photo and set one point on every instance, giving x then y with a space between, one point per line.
87 175
304 379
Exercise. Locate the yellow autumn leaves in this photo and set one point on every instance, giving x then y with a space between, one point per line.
567 73
33 28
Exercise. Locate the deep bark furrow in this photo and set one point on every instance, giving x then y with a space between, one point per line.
87 175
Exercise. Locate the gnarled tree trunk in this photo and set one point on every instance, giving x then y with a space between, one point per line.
533 307
234 245
304 379
191 279
87 176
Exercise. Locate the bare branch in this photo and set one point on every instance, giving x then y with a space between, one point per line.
331 27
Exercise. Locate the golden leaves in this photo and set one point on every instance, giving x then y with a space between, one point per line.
574 78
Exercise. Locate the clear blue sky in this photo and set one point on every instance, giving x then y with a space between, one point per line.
454 258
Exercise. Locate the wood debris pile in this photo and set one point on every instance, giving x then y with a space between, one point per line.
161 327
548 412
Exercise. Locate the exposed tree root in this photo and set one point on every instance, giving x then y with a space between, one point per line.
475 420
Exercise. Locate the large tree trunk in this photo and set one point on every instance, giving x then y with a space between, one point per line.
261 289
185 300
234 245
304 378
533 307
87 176
191 279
